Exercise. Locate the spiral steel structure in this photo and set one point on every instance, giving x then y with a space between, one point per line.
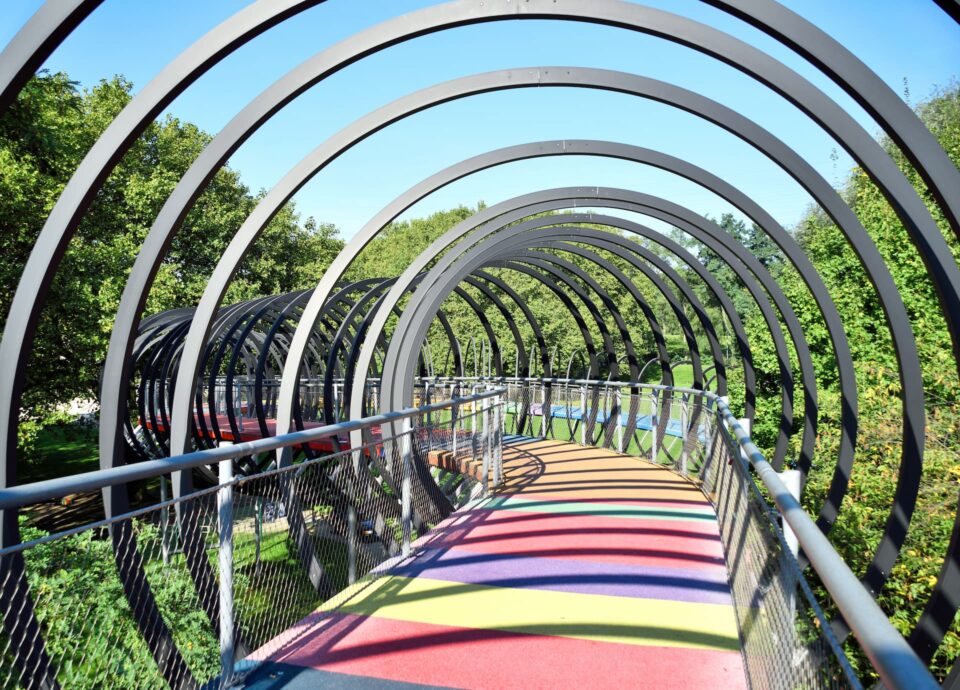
194 378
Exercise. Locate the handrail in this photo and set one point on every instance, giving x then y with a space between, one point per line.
540 379
892 657
27 494
895 661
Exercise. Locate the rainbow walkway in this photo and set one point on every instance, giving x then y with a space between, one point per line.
589 569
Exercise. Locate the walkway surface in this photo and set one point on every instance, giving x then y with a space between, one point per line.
589 569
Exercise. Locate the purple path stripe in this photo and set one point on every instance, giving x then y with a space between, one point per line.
707 586
273 676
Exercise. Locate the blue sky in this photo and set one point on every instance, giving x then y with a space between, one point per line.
899 39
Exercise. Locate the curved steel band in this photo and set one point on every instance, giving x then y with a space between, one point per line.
54 21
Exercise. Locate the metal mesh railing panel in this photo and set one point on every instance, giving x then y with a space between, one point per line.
300 534
89 626
786 640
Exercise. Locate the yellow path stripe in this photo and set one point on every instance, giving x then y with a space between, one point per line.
543 612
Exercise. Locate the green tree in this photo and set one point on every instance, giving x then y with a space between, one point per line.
43 138
865 508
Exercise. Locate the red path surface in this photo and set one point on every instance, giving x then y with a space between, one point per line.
588 570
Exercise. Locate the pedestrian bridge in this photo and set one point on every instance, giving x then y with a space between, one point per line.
598 568
320 488
608 534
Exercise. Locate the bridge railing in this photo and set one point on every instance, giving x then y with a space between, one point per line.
787 639
182 591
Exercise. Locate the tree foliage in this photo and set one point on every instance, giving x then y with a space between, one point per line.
876 466
43 138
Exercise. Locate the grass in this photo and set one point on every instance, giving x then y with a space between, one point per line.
275 592
64 449
683 376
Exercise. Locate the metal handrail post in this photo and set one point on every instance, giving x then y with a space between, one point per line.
453 429
654 424
426 400
583 414
543 409
684 454
406 486
617 402
225 513
485 445
498 429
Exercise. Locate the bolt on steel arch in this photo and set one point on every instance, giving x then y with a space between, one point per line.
342 351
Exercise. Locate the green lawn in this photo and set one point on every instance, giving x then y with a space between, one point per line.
683 376
64 449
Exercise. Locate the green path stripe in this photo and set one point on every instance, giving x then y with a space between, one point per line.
603 509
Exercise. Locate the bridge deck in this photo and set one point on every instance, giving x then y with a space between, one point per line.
588 569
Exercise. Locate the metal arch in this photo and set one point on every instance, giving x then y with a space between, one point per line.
740 66
356 312
465 246
948 319
35 41
847 380
564 298
531 255
734 255
373 288
238 333
708 34
952 8
912 418
360 335
562 270
278 323
569 147
283 399
610 268
741 263
897 119
524 309
512 239
508 317
487 329
729 255
564 277
616 245
535 236
526 258
560 199
715 288
544 278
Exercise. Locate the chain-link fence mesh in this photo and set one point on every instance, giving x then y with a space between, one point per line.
134 602
786 640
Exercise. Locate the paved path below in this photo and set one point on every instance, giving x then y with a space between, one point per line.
589 569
